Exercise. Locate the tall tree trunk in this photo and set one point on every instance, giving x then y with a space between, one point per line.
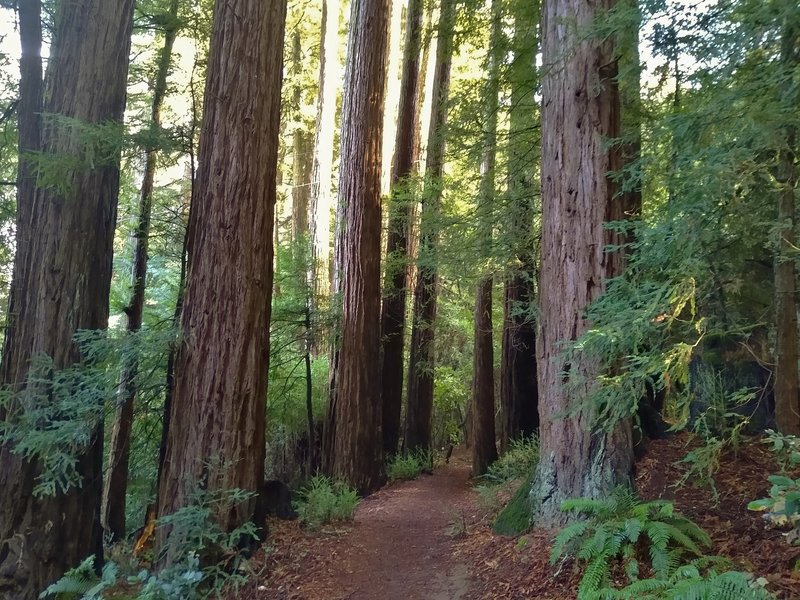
354 415
787 377
422 355
484 449
301 155
61 285
116 481
580 112
519 395
322 169
393 311
217 422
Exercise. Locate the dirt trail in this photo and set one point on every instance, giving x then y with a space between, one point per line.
398 547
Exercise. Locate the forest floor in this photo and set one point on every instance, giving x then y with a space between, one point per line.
431 539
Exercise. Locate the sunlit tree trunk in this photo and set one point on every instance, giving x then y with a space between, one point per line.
217 423
580 113
484 448
422 356
116 481
322 168
301 155
519 395
61 281
353 425
393 310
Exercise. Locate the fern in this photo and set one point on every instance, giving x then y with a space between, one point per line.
82 582
622 531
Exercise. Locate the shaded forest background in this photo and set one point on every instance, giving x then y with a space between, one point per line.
261 241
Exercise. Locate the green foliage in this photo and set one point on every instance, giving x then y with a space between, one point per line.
785 448
409 465
783 503
693 582
518 462
54 418
622 532
325 501
82 582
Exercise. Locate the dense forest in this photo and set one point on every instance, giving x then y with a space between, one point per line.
261 260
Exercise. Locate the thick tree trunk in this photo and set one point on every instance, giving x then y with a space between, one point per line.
580 112
61 285
787 376
217 422
116 481
354 421
422 351
322 169
519 394
393 311
484 448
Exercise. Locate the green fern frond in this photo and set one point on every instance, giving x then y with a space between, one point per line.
76 583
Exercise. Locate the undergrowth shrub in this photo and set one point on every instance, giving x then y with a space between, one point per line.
410 465
325 501
204 560
517 462
658 552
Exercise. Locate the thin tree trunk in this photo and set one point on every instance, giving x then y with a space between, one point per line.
217 422
787 377
116 482
29 109
354 420
61 285
484 448
322 169
301 155
422 355
393 311
580 112
519 394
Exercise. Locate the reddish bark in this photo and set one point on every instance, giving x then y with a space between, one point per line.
422 356
393 311
217 427
61 278
353 434
580 112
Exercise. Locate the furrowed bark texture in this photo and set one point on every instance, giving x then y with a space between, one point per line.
580 112
61 284
216 433
484 448
393 310
519 394
354 421
115 485
422 356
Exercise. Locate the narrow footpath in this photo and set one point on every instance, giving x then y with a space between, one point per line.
399 547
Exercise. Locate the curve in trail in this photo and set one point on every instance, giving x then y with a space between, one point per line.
400 546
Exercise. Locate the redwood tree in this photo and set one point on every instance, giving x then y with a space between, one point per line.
353 435
484 448
422 351
519 394
217 425
393 310
580 112
62 275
